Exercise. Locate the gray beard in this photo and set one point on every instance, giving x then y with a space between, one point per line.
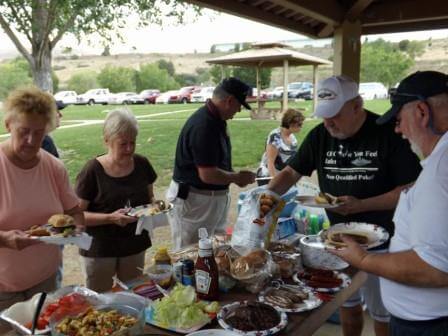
416 149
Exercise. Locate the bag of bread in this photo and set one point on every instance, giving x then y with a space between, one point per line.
257 218
253 270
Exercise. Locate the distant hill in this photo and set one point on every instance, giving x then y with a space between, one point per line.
434 58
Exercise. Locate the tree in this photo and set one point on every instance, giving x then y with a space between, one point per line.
44 22
117 79
382 62
167 65
151 76
186 79
414 48
83 81
203 75
217 72
249 76
13 75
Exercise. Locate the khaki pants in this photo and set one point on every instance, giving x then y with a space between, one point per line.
98 272
7 299
207 211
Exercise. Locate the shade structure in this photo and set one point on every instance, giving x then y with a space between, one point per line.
270 55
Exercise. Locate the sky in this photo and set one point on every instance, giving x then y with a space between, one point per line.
211 28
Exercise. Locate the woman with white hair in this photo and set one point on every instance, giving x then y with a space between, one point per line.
107 185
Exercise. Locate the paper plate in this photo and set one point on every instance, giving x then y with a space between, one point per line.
232 306
82 240
213 332
311 303
310 201
376 234
346 281
142 210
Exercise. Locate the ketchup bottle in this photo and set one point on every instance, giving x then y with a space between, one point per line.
206 270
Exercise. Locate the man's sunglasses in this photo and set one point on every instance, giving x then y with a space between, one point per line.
403 98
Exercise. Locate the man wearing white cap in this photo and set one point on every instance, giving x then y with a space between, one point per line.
365 166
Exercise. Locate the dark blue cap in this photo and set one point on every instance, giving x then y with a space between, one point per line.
419 86
236 88
60 105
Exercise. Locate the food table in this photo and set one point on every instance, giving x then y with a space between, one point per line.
302 324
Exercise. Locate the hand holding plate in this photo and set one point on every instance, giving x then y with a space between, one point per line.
348 205
354 254
16 239
120 218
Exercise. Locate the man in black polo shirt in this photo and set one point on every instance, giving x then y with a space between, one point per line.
366 166
203 166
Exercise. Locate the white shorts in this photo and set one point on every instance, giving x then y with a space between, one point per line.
207 211
370 295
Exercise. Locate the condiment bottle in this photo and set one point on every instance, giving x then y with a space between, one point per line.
162 257
206 270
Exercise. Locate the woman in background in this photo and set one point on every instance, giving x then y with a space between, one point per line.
280 145
34 185
107 186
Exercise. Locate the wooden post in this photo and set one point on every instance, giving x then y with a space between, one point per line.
285 85
258 90
313 108
347 50
223 73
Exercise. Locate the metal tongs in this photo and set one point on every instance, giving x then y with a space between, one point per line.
39 306
279 283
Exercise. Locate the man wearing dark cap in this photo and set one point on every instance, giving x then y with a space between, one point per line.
203 166
414 273
48 143
365 166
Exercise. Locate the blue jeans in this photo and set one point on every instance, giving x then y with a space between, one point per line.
400 327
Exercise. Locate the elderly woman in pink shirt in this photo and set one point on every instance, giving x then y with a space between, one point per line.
34 186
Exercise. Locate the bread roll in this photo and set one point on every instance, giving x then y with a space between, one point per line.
60 221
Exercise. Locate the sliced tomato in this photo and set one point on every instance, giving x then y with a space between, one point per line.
41 323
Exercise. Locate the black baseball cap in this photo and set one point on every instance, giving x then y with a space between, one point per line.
60 105
236 88
419 86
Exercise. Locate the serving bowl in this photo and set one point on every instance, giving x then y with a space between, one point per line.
134 330
160 274
315 255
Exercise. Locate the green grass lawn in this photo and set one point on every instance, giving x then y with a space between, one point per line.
158 134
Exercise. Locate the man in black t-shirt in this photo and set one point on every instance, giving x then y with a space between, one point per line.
203 166
365 165
48 143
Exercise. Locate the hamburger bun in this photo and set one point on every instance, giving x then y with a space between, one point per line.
335 238
61 221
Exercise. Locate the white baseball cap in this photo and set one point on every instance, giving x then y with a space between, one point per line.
333 93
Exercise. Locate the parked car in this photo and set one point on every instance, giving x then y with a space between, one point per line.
201 96
372 90
146 97
164 98
275 93
254 94
67 97
302 90
122 98
94 96
184 94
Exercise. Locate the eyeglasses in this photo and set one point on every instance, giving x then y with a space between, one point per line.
404 98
